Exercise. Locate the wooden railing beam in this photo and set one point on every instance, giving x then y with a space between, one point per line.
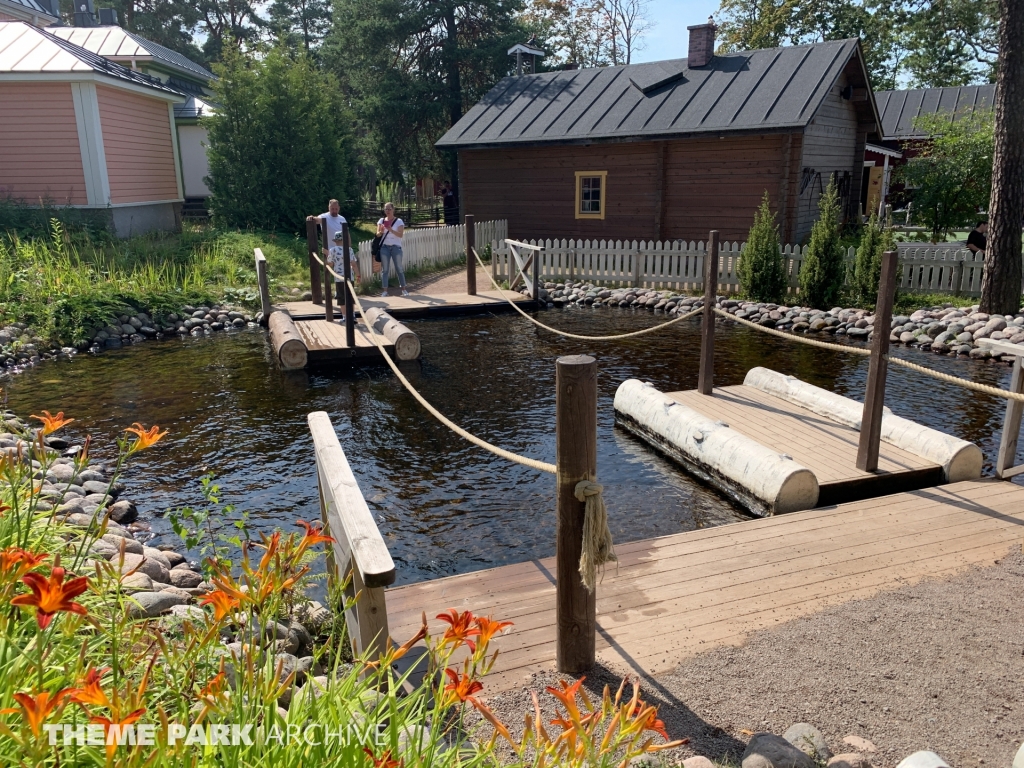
874 397
313 248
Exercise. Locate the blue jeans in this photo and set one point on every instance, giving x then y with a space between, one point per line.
391 254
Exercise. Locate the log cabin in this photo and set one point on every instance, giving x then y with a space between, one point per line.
668 150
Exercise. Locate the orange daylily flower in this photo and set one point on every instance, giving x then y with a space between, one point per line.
36 709
15 562
647 717
313 536
270 543
460 628
461 687
108 723
384 761
52 423
223 603
89 690
567 695
53 594
145 438
489 628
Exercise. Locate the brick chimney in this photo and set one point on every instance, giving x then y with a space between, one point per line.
702 44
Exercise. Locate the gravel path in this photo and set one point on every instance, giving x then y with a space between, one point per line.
936 665
451 280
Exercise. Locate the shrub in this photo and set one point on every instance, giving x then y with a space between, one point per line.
824 268
280 145
762 269
867 268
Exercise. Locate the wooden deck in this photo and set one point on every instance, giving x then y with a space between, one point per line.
326 341
825 447
675 596
418 305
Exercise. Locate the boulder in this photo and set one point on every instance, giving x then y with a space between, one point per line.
808 740
148 566
137 582
155 554
860 744
174 558
148 605
124 511
923 759
766 750
1018 761
190 612
185 579
698 761
131 546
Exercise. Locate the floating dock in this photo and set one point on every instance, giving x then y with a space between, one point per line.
675 596
419 305
298 343
776 444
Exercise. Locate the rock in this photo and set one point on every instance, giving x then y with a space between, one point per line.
699 761
131 546
173 590
62 473
101 488
860 744
148 605
137 582
155 554
307 666
123 512
185 579
849 760
818 324
190 612
923 759
767 750
808 740
980 354
143 564
174 558
305 641
1018 761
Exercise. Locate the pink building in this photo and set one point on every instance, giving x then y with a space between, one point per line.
81 130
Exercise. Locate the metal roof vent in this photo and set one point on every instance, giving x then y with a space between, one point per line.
108 17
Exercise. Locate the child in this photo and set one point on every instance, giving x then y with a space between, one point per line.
336 261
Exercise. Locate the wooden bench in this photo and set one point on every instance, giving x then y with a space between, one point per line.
359 557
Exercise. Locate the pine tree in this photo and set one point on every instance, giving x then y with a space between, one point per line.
762 268
867 269
824 269
279 144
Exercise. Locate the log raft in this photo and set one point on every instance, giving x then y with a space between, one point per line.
776 444
407 343
288 344
300 343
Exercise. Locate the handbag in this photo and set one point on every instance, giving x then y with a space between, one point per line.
375 245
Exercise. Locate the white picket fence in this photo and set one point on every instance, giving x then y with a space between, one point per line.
680 266
435 246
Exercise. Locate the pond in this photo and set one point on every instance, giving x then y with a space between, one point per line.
443 505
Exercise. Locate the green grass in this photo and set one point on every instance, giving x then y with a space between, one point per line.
68 283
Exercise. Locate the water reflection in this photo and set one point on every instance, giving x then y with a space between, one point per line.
445 506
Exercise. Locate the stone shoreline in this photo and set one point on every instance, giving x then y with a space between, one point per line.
20 349
941 329
162 583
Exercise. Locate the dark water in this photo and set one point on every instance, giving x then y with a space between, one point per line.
444 505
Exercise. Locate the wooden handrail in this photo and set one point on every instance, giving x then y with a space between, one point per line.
359 548
520 244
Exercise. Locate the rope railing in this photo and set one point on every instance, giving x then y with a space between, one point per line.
581 337
541 466
938 375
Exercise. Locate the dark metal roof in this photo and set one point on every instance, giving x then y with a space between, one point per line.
162 53
768 89
107 67
33 7
899 108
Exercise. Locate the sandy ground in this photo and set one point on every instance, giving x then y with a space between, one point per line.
936 665
452 280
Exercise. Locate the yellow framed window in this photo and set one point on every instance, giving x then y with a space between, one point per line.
591 194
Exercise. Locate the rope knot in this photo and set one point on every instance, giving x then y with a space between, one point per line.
597 547
585 488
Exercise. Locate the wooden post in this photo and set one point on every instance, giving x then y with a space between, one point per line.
536 276
576 459
958 276
470 260
350 312
261 279
706 375
874 398
328 281
312 247
1011 425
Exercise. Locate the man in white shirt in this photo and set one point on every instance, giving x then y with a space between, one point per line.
332 219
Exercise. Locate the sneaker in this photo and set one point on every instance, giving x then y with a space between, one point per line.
405 292
384 295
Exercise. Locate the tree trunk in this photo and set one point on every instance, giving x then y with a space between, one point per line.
454 96
1001 286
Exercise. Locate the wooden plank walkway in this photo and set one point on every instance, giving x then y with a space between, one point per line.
675 596
825 447
326 341
418 305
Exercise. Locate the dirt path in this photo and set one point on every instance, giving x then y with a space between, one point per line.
937 665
